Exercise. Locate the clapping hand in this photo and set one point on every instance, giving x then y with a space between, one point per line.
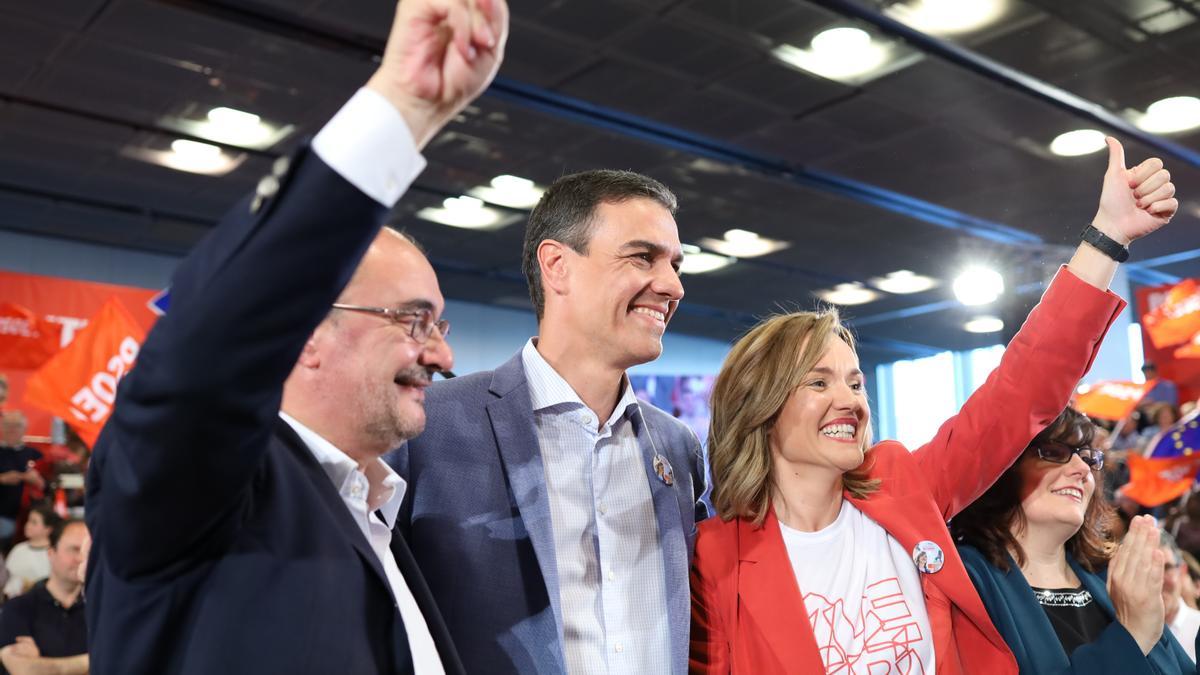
1134 202
1135 581
440 55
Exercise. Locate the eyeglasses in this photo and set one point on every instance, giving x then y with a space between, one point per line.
1060 453
420 322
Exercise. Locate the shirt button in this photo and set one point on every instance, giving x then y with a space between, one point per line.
618 648
356 490
611 576
603 509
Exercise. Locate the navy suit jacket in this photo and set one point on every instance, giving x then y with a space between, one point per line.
1030 635
477 514
220 544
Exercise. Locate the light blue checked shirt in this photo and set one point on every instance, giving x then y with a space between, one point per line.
610 563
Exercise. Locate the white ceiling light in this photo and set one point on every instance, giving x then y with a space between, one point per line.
466 212
696 261
848 294
743 244
978 285
1078 142
948 17
984 324
190 156
230 126
511 191
842 53
902 282
1169 115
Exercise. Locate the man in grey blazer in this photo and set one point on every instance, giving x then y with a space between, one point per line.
553 514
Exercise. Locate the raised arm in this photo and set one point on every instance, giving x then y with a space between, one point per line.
1054 348
191 422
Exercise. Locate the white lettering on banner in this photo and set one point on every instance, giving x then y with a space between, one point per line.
93 402
12 325
70 325
1184 307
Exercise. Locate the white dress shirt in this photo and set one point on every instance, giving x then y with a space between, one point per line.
368 496
1185 626
368 143
611 579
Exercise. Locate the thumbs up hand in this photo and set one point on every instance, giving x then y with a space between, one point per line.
1134 202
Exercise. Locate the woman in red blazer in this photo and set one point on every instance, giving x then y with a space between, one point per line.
830 555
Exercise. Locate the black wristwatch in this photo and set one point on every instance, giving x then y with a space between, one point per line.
1105 244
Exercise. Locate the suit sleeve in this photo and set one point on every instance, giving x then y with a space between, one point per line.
1040 368
173 466
1114 652
709 647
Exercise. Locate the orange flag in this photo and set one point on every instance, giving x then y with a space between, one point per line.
80 383
1189 351
26 341
1113 400
1158 481
1177 319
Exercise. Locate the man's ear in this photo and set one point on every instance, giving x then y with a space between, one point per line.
310 355
554 262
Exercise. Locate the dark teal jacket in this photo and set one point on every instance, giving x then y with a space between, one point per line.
1027 630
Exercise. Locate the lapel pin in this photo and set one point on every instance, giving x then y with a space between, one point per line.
662 469
928 557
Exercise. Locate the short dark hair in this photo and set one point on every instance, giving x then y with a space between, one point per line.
989 522
49 516
60 527
565 212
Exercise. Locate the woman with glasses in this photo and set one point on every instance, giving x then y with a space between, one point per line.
1038 548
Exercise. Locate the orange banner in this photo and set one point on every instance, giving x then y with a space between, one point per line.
66 303
26 340
1157 481
1177 319
1113 400
80 383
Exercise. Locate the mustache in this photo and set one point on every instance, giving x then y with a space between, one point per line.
416 376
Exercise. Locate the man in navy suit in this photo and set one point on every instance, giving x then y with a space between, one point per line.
553 514
241 515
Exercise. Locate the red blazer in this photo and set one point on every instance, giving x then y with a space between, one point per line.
748 615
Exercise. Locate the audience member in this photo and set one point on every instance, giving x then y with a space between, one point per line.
552 513
44 631
242 515
16 471
1038 548
819 531
1182 619
3 391
1165 391
1162 416
28 562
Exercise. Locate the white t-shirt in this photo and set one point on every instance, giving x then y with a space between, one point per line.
1185 626
26 566
863 597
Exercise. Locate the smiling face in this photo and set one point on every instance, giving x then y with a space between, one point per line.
619 296
368 369
823 425
1055 495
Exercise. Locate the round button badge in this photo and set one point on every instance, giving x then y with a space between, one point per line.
928 557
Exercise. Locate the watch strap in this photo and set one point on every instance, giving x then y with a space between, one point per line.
1105 244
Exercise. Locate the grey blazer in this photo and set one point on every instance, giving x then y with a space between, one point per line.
477 516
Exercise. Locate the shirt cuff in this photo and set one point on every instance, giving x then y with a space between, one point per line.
368 143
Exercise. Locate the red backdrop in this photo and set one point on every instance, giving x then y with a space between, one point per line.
70 303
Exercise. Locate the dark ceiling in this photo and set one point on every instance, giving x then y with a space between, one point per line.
922 169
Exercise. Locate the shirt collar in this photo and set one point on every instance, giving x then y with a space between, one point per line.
385 489
547 388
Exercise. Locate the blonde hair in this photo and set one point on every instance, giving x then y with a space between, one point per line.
761 371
